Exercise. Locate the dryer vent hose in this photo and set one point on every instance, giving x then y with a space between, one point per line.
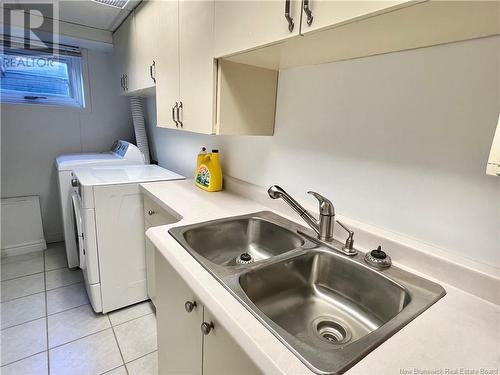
141 137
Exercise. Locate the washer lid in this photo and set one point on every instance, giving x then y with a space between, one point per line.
70 161
123 174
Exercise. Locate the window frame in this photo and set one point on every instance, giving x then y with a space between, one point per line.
75 63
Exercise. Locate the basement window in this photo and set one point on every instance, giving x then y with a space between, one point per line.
31 77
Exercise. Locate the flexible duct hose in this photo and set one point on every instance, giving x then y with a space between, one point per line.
139 126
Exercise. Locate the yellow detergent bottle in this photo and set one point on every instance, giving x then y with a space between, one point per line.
209 173
199 159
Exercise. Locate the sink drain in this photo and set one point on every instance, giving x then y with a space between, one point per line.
244 258
331 331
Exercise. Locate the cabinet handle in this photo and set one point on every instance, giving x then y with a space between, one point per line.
122 84
190 306
152 68
179 108
125 82
173 114
308 12
287 16
206 328
151 212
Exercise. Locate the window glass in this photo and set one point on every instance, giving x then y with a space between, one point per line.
27 77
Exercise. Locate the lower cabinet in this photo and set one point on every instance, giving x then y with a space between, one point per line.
190 339
221 355
154 216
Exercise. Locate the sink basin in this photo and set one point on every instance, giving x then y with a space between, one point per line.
329 309
324 300
223 241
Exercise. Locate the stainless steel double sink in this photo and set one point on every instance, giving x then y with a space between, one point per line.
330 310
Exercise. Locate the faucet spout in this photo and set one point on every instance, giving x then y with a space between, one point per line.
276 192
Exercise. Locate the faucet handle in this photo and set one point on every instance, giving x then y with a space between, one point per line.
349 242
325 206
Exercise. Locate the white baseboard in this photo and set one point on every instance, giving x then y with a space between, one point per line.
25 248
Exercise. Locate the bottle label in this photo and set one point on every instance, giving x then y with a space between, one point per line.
203 176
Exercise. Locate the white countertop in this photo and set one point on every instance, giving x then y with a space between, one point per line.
460 332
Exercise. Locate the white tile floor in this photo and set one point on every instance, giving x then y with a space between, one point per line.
48 326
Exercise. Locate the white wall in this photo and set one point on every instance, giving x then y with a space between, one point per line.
33 136
399 141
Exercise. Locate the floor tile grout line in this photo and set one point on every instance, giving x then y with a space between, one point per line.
20 324
28 256
118 344
55 269
18 277
79 338
125 364
34 273
71 308
27 295
142 356
90 334
22 359
45 287
130 320
64 286
44 317
46 312
93 333
113 369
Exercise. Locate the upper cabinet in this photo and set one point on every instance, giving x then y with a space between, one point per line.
340 30
214 64
123 53
167 65
135 49
321 14
197 65
243 25
145 42
197 93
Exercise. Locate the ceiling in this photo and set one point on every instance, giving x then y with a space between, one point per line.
93 14
89 13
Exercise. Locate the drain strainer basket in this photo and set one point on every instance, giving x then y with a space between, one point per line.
331 331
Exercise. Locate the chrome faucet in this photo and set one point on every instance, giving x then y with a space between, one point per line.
324 226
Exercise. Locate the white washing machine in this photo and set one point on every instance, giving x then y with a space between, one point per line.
121 153
108 208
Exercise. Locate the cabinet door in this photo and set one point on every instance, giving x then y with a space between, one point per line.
197 65
150 265
179 335
241 25
145 45
327 13
122 51
167 66
221 354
